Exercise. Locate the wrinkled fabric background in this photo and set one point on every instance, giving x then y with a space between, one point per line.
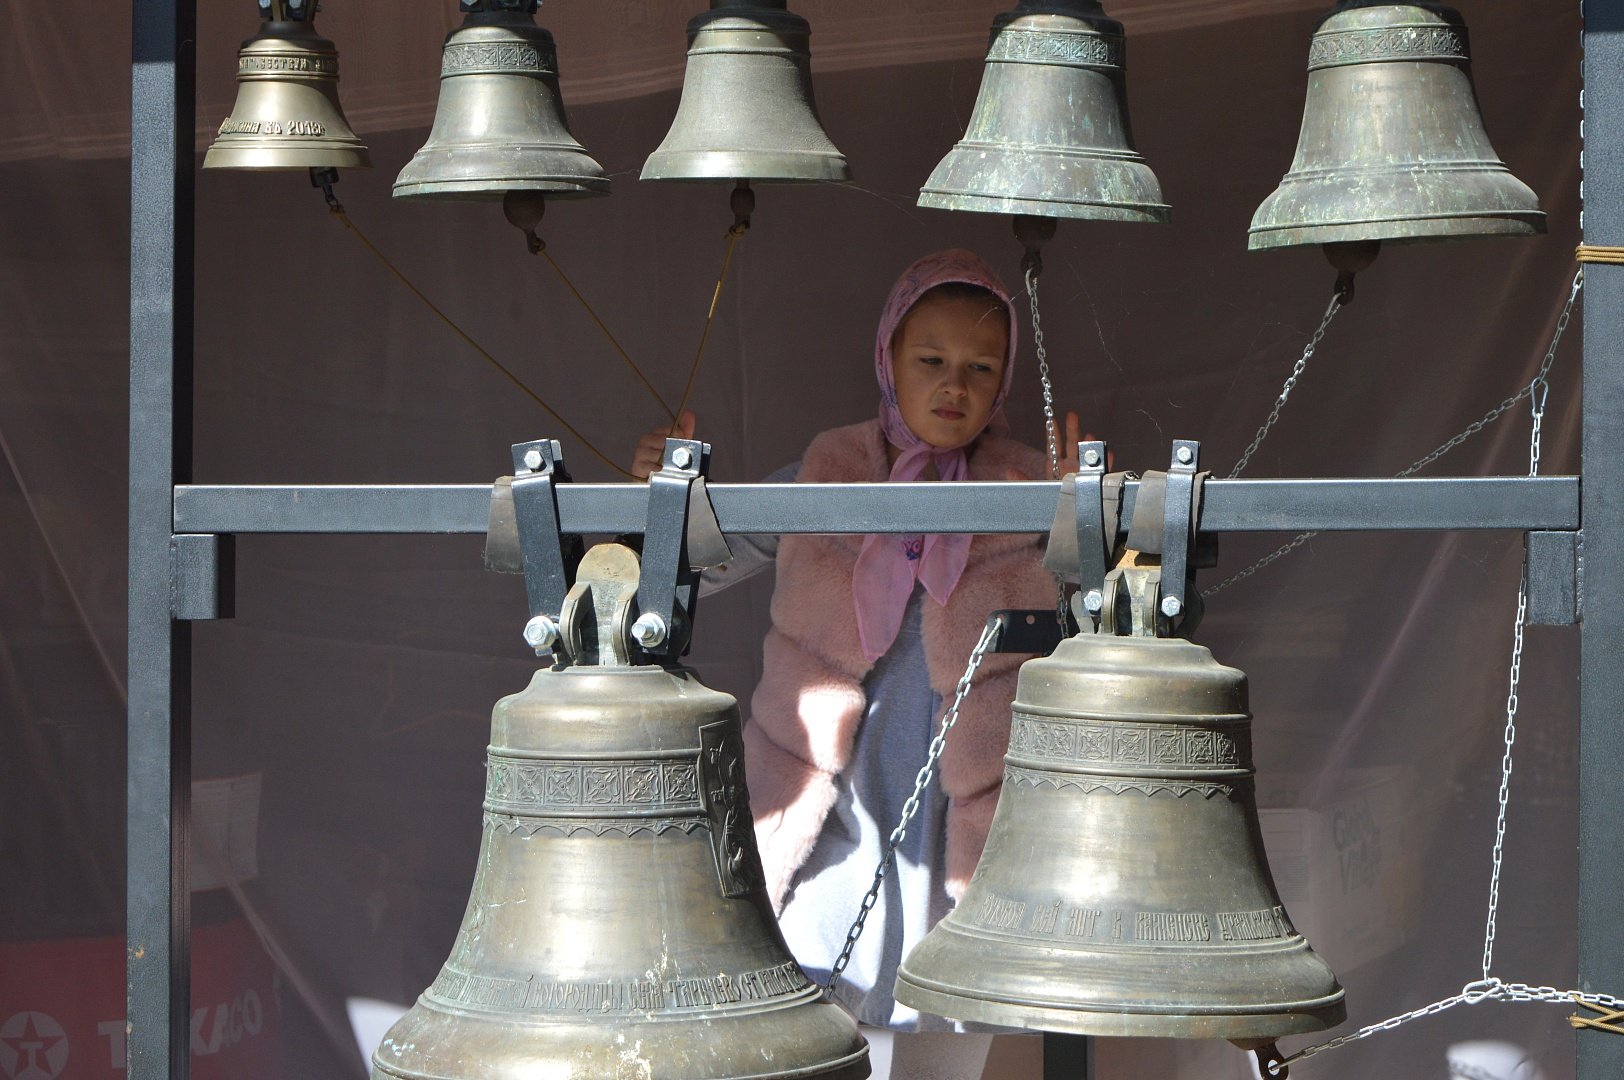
357 677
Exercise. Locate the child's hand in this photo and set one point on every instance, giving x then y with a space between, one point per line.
651 447
1068 449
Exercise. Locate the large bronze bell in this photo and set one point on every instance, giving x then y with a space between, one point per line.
747 111
287 114
1049 135
1392 145
618 925
1124 889
499 126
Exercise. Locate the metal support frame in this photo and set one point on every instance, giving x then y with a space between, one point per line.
179 533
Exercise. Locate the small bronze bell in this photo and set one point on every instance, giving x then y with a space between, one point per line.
1049 135
618 925
499 126
287 114
1124 889
1392 145
747 111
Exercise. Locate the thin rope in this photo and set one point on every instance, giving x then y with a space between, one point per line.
344 219
541 249
733 236
1598 253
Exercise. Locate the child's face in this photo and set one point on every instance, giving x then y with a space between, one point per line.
948 363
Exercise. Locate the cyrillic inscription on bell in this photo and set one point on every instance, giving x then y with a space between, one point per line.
500 125
1124 889
618 925
1050 135
287 114
747 111
1392 145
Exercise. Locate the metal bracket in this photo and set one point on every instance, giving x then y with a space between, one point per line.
1554 565
1178 528
549 558
202 577
680 536
1094 543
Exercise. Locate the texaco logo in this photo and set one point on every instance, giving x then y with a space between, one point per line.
33 1047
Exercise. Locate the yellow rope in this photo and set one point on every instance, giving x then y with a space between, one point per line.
1609 1018
1597 253
733 236
344 219
540 248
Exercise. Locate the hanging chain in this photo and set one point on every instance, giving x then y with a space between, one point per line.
995 626
1051 429
1338 299
1490 988
1538 385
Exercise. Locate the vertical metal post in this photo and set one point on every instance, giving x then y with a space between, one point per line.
1601 695
158 782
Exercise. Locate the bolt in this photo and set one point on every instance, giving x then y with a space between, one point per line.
1093 602
649 630
1185 455
532 459
682 457
1091 458
541 633
1171 606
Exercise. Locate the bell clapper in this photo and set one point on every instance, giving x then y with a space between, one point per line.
743 204
325 178
524 210
1349 257
1271 1064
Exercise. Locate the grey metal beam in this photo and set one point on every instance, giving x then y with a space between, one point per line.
1601 676
158 778
1517 503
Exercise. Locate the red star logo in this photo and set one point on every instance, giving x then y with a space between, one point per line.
29 1049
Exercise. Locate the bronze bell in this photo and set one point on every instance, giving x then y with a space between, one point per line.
1392 144
499 126
618 924
1124 889
1049 135
287 114
747 111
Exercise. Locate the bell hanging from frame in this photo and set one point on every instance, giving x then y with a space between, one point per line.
287 114
747 111
499 127
1392 146
618 924
1124 889
1049 135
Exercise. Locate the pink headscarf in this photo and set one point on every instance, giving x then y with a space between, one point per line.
888 566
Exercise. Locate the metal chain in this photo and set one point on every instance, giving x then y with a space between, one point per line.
1539 385
1337 301
1473 993
1051 427
1489 988
989 635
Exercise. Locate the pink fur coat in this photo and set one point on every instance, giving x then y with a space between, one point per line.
807 709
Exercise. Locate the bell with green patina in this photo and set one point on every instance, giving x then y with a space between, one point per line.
1392 146
1049 136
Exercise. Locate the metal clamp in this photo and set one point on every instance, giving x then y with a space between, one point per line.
680 537
1178 526
1095 542
548 557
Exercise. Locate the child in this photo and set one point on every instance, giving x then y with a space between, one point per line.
870 636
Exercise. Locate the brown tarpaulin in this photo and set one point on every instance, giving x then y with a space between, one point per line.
359 672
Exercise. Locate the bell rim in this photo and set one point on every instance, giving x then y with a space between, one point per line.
494 189
725 166
1509 225
1069 209
1269 1021
259 157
